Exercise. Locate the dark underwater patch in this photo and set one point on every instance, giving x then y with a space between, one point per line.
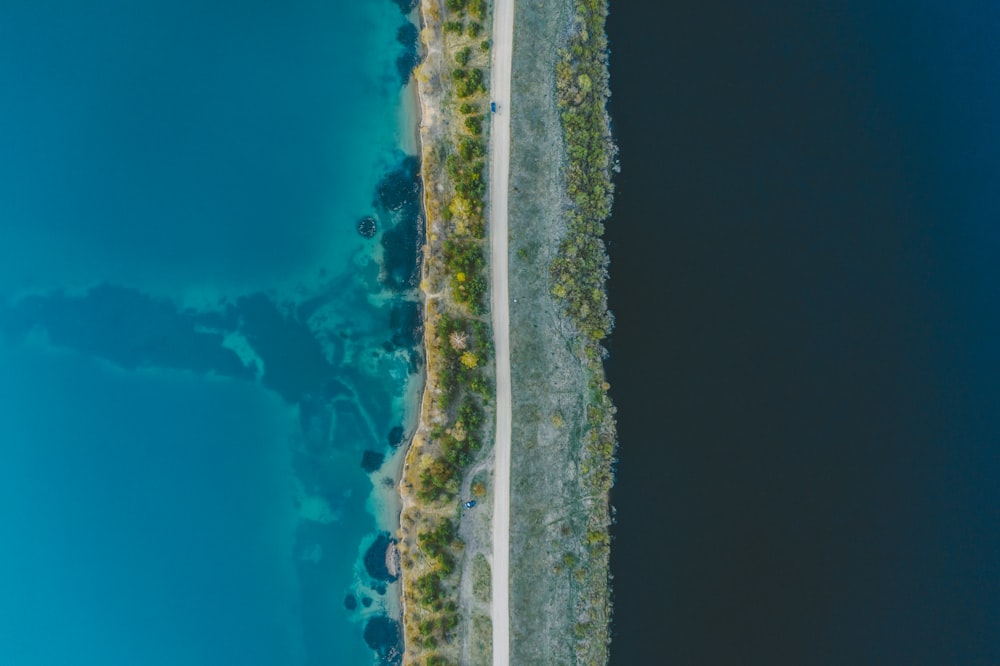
350 602
382 635
401 186
406 322
410 57
375 559
371 461
399 196
406 6
294 360
128 328
367 226
395 436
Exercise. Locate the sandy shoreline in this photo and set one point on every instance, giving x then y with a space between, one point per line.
415 104
386 501
416 514
446 612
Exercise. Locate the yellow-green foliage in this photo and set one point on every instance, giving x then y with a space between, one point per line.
470 360
581 269
458 332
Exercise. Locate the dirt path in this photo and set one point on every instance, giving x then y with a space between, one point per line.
503 40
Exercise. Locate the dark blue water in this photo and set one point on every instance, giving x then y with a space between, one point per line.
205 370
806 358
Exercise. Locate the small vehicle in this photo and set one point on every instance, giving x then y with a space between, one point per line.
470 504
493 107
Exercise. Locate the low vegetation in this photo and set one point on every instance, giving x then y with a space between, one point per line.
580 271
578 277
459 394
458 399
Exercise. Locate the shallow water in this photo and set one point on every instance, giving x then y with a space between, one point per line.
199 351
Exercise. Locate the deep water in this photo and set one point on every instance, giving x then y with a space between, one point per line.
205 367
805 279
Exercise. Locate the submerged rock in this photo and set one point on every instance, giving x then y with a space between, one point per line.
382 635
372 460
398 200
375 559
407 6
367 226
408 36
401 186
407 322
392 562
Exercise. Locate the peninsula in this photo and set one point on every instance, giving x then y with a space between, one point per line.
512 459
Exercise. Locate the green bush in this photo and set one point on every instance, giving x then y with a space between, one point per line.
474 124
469 82
477 8
470 149
580 270
462 364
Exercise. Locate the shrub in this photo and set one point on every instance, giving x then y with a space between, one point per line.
468 83
437 660
477 8
470 149
474 124
580 270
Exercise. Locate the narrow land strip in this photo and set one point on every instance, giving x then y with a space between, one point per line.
445 612
562 431
503 39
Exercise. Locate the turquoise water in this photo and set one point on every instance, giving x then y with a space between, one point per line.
198 349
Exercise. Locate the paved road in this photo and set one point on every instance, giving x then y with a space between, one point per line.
503 40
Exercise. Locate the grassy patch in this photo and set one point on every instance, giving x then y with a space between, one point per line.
482 640
481 578
454 426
